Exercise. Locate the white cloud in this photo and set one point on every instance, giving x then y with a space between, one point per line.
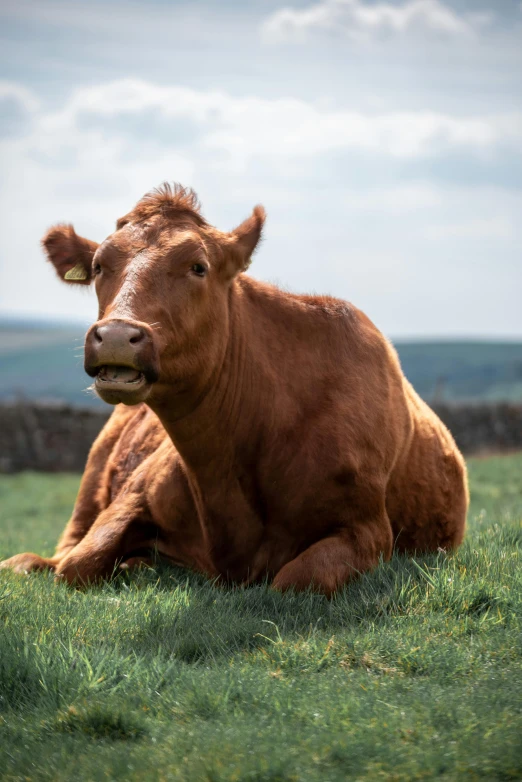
232 131
359 20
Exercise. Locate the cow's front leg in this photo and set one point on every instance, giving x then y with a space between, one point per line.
25 563
333 561
87 507
120 531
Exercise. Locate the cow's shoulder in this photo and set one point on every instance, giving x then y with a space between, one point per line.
139 435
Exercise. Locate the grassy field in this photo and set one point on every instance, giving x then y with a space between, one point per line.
412 673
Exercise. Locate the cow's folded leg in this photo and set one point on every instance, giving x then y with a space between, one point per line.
25 563
120 530
333 561
87 507
91 500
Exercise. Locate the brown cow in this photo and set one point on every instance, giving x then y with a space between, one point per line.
260 433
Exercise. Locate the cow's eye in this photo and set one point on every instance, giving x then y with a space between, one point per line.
96 269
199 269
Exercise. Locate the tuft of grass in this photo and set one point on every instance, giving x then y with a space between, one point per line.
413 672
101 721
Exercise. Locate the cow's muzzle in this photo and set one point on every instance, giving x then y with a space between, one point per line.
121 356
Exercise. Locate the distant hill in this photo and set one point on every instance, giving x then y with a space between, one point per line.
41 360
44 361
464 371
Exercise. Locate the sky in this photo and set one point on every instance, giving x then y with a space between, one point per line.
383 137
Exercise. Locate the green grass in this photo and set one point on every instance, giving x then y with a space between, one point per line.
412 673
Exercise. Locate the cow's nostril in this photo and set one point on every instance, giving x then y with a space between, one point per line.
136 338
97 336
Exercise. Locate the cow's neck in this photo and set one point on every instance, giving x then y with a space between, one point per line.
217 436
212 423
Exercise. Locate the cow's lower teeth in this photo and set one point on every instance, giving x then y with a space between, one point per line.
123 375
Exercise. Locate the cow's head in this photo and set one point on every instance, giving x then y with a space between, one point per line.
163 280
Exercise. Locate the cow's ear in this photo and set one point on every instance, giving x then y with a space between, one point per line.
244 240
70 254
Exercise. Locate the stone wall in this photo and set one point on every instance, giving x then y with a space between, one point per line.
57 438
485 428
47 437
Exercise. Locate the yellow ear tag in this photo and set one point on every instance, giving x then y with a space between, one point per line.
78 272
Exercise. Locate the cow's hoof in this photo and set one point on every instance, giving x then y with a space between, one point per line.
25 563
136 562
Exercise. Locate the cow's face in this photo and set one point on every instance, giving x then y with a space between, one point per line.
162 280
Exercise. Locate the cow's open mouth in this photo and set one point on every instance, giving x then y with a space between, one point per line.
119 377
116 383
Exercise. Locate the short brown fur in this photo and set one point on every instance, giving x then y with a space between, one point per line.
267 435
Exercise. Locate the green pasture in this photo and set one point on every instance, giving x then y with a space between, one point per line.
412 673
